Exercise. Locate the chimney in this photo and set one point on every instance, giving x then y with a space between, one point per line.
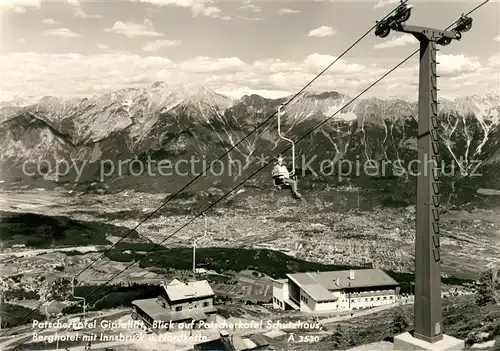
337 281
351 274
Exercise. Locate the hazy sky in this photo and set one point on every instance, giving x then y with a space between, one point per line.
273 48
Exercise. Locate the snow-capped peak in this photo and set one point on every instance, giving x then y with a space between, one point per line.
189 93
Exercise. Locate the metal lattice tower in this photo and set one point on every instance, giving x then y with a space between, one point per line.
428 309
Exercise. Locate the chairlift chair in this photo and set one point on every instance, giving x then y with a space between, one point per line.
278 182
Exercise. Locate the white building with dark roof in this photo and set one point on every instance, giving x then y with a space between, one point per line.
334 290
179 302
180 296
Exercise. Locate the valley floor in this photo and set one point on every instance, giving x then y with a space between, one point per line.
383 237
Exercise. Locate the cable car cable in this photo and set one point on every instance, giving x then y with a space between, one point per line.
233 147
170 198
286 149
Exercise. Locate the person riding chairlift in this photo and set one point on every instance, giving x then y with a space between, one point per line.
282 177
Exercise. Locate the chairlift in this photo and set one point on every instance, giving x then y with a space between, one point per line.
279 182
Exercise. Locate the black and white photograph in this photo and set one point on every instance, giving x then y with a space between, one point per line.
243 175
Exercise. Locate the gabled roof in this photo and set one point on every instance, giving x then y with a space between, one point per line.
213 345
279 281
235 343
157 312
319 285
239 343
178 290
153 309
259 339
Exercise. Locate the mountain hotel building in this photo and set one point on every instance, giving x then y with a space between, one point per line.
334 290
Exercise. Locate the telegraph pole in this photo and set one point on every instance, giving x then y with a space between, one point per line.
195 240
428 309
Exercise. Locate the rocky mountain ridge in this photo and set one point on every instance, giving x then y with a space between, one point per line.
179 123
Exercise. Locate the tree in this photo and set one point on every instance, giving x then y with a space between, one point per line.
485 294
496 284
496 346
57 290
401 321
341 338
60 289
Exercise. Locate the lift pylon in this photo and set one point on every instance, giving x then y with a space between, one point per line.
428 309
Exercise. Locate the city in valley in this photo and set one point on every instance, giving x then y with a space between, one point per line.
244 299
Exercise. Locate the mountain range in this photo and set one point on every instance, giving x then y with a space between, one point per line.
185 124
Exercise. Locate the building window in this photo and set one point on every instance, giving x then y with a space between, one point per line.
378 298
205 304
178 308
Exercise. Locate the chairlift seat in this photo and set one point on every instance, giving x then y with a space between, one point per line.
278 181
